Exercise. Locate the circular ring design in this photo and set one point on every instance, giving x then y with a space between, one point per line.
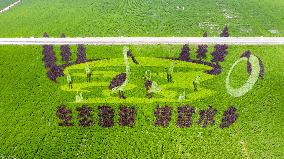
238 92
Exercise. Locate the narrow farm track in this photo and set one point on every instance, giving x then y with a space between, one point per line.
10 6
144 40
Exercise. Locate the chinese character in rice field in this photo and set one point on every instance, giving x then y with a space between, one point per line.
163 116
106 114
207 116
127 116
65 115
85 117
229 117
185 116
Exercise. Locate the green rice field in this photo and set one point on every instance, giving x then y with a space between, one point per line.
29 100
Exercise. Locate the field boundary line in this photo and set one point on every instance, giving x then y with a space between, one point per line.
10 6
144 40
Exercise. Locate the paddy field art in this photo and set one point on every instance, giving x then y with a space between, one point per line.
141 79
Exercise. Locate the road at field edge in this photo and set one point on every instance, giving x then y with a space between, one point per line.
144 40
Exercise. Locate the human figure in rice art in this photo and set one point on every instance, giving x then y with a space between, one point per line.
69 81
79 98
170 72
150 86
88 73
195 83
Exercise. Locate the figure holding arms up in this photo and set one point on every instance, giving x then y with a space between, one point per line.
88 73
69 80
195 83
170 72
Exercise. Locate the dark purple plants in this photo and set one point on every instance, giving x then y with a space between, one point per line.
147 85
219 53
185 53
49 58
163 116
185 116
65 115
106 114
207 116
225 32
249 67
229 117
127 116
65 51
118 81
55 72
202 50
132 57
215 70
261 73
85 116
45 35
81 54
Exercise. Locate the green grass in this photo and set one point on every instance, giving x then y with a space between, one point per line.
28 100
29 127
143 18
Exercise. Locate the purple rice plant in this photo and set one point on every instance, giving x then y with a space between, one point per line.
219 53
65 115
229 117
185 53
81 54
106 114
215 70
163 116
49 58
85 116
249 67
225 32
185 116
127 116
54 72
207 116
65 51
201 52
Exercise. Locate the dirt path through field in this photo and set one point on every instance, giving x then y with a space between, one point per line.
145 40
9 7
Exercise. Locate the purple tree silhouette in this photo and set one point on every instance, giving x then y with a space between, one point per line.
225 32
49 58
65 51
202 50
185 52
219 53
81 54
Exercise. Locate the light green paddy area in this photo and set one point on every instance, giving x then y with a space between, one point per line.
29 100
91 18
29 127
103 72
